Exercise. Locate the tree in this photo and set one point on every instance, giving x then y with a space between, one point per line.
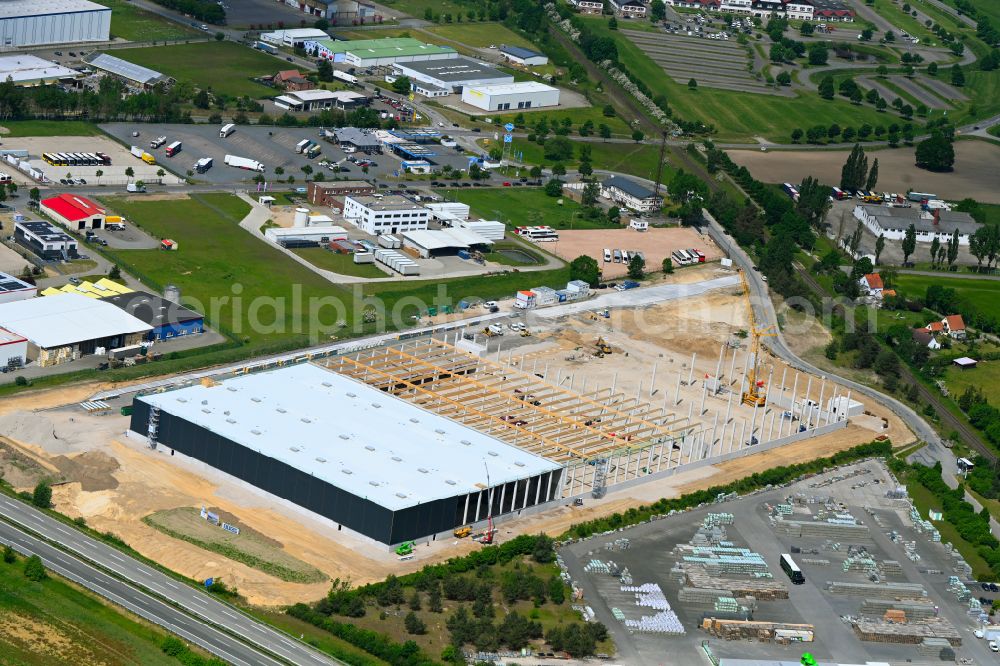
814 201
879 247
42 496
855 170
130 173
636 267
324 70
414 625
658 11
936 153
609 111
957 76
219 36
35 194
909 243
279 171
585 268
826 90
806 29
604 131
882 71
692 84
866 35
612 23
668 265
637 135
415 600
797 135
935 246
558 169
784 78
872 179
322 24
818 54
952 249
553 188
115 273
558 149
434 599
856 96
34 570
402 85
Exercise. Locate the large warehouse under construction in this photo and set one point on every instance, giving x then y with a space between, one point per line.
365 460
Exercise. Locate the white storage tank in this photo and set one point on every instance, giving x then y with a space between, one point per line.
301 217
172 293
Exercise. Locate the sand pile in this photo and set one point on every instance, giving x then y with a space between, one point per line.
93 469
38 429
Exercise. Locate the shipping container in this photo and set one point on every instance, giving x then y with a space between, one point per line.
173 148
302 145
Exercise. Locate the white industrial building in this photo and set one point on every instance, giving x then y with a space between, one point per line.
522 56
385 215
14 289
13 349
489 229
298 235
312 100
294 37
893 222
129 72
434 242
29 70
453 74
630 194
39 22
510 96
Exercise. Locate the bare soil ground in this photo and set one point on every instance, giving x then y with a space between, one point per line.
976 165
656 244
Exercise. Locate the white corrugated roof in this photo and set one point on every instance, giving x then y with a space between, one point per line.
16 8
351 435
437 239
64 319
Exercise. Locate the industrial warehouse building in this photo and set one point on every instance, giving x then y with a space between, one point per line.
293 37
385 215
510 96
315 100
522 56
14 289
130 73
893 222
29 70
167 319
630 194
365 460
39 22
46 240
65 327
452 75
438 242
74 212
366 53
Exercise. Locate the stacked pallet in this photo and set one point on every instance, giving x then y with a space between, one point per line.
702 596
892 569
894 615
880 590
939 648
760 589
818 561
880 631
844 532
863 564
738 630
915 610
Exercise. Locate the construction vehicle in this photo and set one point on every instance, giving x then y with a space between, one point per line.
405 548
463 532
603 347
525 333
756 392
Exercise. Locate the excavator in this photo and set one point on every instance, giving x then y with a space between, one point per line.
463 532
756 390
405 548
603 348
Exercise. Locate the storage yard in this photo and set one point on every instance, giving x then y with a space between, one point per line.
877 584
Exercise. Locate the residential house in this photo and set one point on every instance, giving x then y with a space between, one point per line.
629 8
924 338
588 6
928 224
871 285
292 81
630 194
954 326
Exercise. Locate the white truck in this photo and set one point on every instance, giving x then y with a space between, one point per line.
302 145
344 76
243 163
157 142
226 130
133 187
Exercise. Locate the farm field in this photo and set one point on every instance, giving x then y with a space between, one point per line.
518 207
54 623
417 8
137 25
232 65
981 293
738 116
216 258
480 35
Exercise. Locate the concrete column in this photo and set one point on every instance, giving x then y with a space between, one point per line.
791 407
704 392
833 402
677 392
715 424
690 410
618 466
534 364
691 369
743 434
538 489
499 344
546 373
465 513
614 384
732 367
652 380
848 401
638 392
729 405
718 367
479 501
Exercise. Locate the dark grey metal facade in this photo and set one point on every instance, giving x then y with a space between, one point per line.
342 507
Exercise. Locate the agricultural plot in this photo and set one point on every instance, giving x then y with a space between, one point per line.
712 63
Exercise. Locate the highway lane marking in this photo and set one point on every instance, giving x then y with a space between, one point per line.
235 617
112 555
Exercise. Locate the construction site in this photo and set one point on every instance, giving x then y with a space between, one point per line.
839 565
580 414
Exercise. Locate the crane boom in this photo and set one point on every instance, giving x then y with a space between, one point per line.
753 396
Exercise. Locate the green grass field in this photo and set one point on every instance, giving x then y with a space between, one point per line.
524 206
20 128
480 35
594 114
416 8
54 623
218 259
631 158
137 25
225 67
739 116
982 293
342 264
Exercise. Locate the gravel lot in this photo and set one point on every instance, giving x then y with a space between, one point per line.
656 244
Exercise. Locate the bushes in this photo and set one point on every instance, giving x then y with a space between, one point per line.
374 643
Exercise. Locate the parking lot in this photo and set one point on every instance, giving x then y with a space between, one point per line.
656 244
859 490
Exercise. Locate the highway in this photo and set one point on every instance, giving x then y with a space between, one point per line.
191 614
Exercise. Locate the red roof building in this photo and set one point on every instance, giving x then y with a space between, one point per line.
73 212
955 326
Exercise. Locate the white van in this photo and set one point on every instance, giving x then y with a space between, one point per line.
607 255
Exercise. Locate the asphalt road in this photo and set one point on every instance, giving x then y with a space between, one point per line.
192 613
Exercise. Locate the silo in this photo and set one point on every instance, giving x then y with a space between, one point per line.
301 217
172 293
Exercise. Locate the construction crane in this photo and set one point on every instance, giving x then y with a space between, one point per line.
754 395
